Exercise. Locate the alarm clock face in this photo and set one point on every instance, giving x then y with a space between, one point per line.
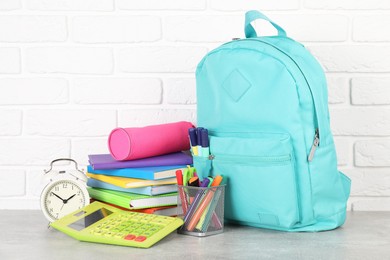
61 198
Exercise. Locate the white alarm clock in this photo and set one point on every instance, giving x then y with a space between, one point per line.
64 191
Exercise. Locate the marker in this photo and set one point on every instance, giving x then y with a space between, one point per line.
193 182
203 204
183 198
210 214
211 181
204 133
193 141
199 140
217 180
186 176
196 201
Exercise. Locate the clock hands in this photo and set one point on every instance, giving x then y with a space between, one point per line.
69 198
66 201
58 197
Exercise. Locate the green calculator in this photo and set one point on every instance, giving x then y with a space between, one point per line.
101 223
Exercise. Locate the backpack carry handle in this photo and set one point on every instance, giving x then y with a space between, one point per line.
252 15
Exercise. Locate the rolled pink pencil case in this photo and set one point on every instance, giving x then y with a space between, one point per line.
141 142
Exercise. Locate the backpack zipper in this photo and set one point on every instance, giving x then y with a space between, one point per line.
314 146
251 159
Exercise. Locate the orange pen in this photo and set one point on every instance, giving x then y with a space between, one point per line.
203 205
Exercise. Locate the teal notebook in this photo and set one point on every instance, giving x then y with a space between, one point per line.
148 190
133 200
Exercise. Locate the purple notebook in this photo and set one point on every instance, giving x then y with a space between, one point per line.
106 161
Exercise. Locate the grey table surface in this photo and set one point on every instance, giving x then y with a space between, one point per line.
365 235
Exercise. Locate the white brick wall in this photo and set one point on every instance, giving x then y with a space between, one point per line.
71 71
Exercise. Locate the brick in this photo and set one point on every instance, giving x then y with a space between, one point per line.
25 91
14 186
244 5
180 91
117 91
73 122
32 28
7 5
81 148
370 91
343 151
161 5
314 28
116 29
159 59
347 4
34 180
32 151
145 117
370 204
372 153
11 122
217 28
368 28
338 90
9 60
74 60
353 58
369 181
360 121
70 5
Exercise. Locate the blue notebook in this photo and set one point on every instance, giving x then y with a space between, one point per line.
147 173
149 190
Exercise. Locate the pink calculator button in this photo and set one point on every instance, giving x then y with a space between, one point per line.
130 237
140 238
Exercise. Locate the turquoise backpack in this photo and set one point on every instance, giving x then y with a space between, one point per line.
264 101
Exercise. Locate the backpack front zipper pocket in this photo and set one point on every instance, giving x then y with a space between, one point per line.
261 180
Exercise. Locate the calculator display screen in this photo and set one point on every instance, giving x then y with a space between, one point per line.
90 219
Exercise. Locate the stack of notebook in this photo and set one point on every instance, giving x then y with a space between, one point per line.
146 185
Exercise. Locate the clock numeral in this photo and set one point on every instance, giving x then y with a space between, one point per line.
65 185
48 201
51 194
51 209
72 187
57 188
81 200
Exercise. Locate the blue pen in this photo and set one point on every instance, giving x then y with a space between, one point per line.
197 199
199 140
193 141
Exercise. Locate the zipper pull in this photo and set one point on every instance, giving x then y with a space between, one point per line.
211 157
316 143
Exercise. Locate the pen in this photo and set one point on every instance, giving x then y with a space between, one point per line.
195 202
193 141
203 205
184 203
